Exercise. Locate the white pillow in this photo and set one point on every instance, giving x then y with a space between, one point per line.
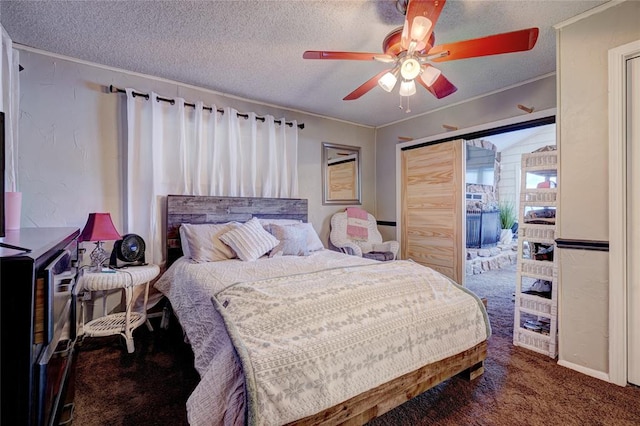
204 241
293 240
250 240
266 222
183 242
313 241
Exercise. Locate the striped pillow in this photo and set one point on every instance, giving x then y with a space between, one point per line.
250 241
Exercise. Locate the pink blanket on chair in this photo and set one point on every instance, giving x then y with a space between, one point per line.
357 223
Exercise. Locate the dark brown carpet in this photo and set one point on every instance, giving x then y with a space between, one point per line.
147 387
519 387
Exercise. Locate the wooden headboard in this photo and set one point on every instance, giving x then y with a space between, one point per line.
210 209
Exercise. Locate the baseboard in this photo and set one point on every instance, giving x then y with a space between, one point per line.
585 370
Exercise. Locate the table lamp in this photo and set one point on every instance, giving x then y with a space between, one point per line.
99 228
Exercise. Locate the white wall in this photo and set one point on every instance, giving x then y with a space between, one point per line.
510 162
583 192
71 131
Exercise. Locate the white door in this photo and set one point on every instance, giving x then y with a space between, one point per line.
633 197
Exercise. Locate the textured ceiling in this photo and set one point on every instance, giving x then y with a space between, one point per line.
253 49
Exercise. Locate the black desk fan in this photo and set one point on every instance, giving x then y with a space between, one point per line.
129 251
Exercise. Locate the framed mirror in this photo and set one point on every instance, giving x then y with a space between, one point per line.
340 174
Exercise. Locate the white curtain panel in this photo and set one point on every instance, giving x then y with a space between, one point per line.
9 104
173 149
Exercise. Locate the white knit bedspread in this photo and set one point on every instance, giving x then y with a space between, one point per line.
346 324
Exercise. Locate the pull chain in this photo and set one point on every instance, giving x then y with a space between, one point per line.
402 107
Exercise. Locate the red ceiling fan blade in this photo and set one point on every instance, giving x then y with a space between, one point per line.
364 88
441 88
353 56
515 41
429 9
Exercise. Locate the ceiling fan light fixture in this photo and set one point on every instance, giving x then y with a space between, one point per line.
420 28
407 88
430 75
410 68
389 80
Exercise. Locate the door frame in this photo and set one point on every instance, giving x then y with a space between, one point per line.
618 255
466 133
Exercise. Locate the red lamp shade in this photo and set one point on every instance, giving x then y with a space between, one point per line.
99 227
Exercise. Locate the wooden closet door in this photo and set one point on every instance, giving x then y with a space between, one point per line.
432 224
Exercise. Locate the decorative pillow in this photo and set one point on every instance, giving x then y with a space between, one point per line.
357 224
293 240
204 242
250 240
183 242
266 222
313 241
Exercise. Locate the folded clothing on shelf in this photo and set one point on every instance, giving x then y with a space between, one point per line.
541 286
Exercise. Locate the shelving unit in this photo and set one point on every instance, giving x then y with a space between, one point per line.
536 297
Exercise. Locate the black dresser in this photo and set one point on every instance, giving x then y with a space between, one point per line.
38 325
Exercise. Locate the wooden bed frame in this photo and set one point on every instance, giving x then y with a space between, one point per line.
361 408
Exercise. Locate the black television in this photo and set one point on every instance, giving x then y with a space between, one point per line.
2 173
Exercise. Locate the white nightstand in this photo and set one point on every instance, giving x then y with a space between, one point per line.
122 323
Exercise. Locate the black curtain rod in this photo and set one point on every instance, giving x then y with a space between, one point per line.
114 89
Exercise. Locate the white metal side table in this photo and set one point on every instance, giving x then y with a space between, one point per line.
122 323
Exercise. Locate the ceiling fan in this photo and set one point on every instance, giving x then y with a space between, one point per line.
411 50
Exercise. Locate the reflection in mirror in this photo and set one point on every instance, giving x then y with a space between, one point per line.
340 174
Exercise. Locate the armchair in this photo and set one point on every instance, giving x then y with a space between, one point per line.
369 246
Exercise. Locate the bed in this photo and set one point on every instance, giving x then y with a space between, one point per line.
315 338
